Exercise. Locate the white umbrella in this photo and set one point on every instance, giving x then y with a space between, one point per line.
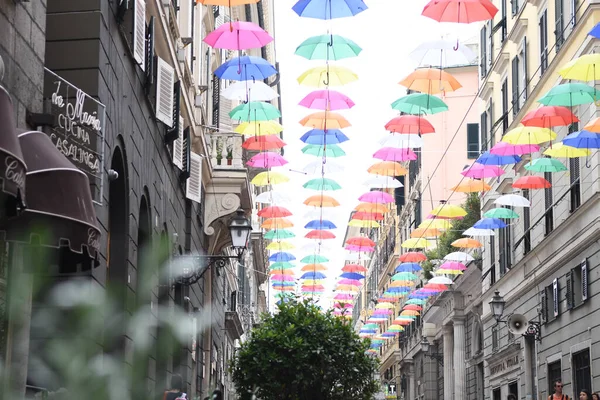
443 53
273 197
249 90
478 232
357 257
459 256
513 200
442 280
403 141
315 167
383 182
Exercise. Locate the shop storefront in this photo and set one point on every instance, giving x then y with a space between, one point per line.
504 370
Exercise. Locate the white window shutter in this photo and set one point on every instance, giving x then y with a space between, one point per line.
194 182
178 147
139 34
165 82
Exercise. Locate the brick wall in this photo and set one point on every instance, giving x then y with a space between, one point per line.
22 47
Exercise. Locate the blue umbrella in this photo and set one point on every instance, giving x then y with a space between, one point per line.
281 256
313 275
595 32
488 158
408 267
328 9
352 275
489 223
282 283
321 138
320 224
398 289
583 140
245 68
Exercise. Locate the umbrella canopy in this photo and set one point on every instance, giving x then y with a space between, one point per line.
320 224
512 200
239 35
326 76
480 171
549 116
420 103
249 90
325 120
267 178
472 186
430 81
282 256
466 243
507 149
460 11
531 182
443 53
372 208
328 47
328 9
255 111
569 95
274 212
489 223
277 223
545 165
317 168
226 3
321 137
560 150
409 124
383 182
319 234
321 200
266 160
322 184
387 168
271 196
501 212
583 140
263 143
529 135
488 158
333 150
376 196
245 68
448 211
278 234
584 68
326 100
394 154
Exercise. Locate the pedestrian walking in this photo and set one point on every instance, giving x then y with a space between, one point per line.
595 396
585 395
176 390
558 392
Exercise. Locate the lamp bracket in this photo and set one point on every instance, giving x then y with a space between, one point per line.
201 264
534 330
436 356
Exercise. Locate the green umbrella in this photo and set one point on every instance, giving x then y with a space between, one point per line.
332 150
314 259
278 234
282 265
404 276
545 165
420 103
255 111
570 94
317 48
416 301
322 184
501 212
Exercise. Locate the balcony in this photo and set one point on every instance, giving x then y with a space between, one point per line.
233 325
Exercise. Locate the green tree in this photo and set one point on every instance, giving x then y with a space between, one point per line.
444 243
303 353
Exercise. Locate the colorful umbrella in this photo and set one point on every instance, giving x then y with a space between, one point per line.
239 35
420 103
443 53
314 258
278 234
320 235
545 165
415 243
245 68
549 116
409 124
383 182
258 128
507 149
559 150
322 184
271 196
266 160
583 140
325 120
320 224
464 243
372 208
280 246
318 168
376 196
321 200
412 257
267 178
263 143
328 9
277 223
274 212
593 126
446 210
326 76
333 150
255 111
531 182
394 154
512 200
282 256
569 95
425 233
387 168
504 213
460 11
328 47
326 100
354 268
321 137
489 223
430 81
528 135
364 224
249 90
472 186
488 158
480 171
360 241
584 68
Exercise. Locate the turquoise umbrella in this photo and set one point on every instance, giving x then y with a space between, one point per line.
545 165
501 212
332 150
420 103
569 95
322 184
276 234
328 47
255 111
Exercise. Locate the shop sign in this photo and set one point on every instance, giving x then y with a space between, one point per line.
79 133
506 365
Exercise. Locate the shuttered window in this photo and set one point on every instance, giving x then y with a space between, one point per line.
505 110
165 83
574 176
139 33
186 142
483 132
472 141
194 182
178 147
524 73
559 26
543 25
516 104
483 52
216 101
526 225
548 201
150 55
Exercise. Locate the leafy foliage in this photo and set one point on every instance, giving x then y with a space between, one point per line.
301 353
444 244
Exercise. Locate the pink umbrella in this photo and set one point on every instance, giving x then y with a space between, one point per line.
341 296
382 312
363 249
376 196
266 160
352 282
507 149
284 278
327 100
480 171
395 154
453 265
238 35
343 305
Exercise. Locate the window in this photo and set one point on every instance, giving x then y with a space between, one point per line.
493 260
165 86
483 52
559 26
504 239
554 374
483 132
502 24
577 285
523 73
543 24
139 33
526 225
495 337
490 125
581 370
194 182
472 141
548 201
550 302
515 6
504 116
516 83
178 146
574 177
513 388
497 394
216 101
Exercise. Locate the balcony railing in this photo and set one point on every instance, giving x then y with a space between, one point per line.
226 151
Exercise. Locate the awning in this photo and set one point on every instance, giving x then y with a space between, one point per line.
12 166
60 211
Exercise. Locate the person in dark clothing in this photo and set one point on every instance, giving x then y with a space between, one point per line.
176 391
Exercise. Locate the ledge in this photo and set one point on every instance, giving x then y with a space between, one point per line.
233 325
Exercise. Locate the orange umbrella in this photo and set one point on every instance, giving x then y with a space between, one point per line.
593 126
467 243
372 208
531 182
471 186
368 216
425 233
314 267
412 256
281 272
412 313
431 81
282 288
387 168
321 200
258 143
325 120
277 223
413 307
318 234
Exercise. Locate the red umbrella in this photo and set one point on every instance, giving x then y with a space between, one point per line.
274 212
361 241
354 268
318 234
549 116
367 216
412 256
461 11
532 182
409 124
263 143
413 307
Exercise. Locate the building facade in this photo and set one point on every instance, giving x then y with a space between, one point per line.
545 265
159 175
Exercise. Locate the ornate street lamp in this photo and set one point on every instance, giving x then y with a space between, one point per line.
428 351
240 229
497 305
517 323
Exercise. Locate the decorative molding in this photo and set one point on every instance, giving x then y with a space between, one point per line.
218 205
518 32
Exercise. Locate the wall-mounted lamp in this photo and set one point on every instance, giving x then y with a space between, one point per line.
517 323
429 352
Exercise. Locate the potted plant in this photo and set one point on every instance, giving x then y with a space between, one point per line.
229 154
219 151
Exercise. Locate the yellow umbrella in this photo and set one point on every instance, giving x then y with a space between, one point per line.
312 282
410 313
472 186
585 68
415 243
559 150
372 208
436 223
431 81
325 76
279 246
529 135
425 233
387 168
466 243
448 211
258 128
397 327
275 223
363 223
385 306
404 283
269 178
